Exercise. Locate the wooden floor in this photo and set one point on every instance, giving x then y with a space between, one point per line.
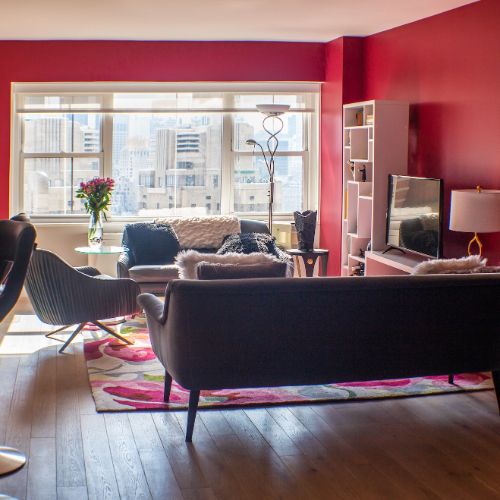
431 447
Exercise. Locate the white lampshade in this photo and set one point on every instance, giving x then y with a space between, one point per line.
273 109
475 211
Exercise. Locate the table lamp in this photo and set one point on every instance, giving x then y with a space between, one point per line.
475 211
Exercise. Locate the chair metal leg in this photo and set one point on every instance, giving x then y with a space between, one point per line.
168 387
102 326
49 335
10 460
72 336
194 397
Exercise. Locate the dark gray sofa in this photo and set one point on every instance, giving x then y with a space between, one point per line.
278 332
153 277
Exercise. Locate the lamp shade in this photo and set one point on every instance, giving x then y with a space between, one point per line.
273 109
475 211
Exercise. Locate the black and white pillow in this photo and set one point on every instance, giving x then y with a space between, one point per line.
252 243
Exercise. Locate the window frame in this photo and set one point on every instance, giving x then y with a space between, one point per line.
229 155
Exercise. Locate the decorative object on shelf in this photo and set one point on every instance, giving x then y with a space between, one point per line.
352 168
305 224
361 253
272 112
362 171
96 196
359 118
476 211
369 119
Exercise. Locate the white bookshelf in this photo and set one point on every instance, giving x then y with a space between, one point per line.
375 139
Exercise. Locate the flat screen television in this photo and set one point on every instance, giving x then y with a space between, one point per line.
415 214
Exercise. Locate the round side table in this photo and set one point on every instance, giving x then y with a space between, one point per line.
105 264
309 258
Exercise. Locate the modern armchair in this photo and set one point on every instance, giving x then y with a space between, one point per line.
63 295
16 245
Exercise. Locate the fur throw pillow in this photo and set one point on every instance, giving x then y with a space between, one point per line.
464 265
202 232
188 260
250 243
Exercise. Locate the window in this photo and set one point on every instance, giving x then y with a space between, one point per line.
178 151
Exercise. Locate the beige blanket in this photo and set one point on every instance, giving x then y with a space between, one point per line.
202 232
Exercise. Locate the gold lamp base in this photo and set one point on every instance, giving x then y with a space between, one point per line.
478 243
10 460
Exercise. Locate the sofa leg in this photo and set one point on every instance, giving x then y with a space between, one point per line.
168 387
496 382
194 397
451 378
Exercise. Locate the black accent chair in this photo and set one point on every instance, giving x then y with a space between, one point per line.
16 245
154 276
64 295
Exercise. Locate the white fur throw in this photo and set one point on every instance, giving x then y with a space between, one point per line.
465 265
202 232
188 260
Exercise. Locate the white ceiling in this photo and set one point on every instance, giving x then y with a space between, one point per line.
279 20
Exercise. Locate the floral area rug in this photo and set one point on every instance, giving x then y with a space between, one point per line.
125 378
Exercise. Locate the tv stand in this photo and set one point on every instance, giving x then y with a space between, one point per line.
391 247
378 263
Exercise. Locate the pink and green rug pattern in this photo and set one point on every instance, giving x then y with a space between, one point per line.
125 378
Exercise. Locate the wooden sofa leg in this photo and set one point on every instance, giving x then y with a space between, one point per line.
194 397
496 382
451 378
168 387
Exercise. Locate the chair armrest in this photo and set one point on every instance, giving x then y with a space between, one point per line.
88 270
153 307
123 265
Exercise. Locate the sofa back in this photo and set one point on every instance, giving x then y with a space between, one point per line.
134 240
273 332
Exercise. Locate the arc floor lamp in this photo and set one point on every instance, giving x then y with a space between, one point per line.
272 112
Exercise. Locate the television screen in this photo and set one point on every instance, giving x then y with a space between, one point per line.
414 214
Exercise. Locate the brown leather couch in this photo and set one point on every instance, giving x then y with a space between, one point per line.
277 332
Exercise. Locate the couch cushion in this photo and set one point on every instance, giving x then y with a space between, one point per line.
252 242
153 274
187 261
151 243
218 271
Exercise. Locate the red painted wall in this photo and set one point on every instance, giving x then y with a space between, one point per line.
448 68
343 83
59 61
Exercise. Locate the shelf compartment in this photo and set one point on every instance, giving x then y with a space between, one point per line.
364 217
359 144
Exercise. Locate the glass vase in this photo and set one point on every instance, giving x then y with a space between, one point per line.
95 233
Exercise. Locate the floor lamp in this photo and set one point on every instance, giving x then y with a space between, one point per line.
272 112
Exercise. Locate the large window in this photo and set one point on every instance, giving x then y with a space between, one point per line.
170 153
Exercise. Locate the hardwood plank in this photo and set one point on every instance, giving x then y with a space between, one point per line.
71 493
70 462
18 432
181 456
218 471
199 494
85 400
8 374
272 432
42 476
159 473
100 474
127 464
44 405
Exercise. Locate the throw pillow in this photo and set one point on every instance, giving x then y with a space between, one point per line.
151 243
218 271
188 260
464 265
250 243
